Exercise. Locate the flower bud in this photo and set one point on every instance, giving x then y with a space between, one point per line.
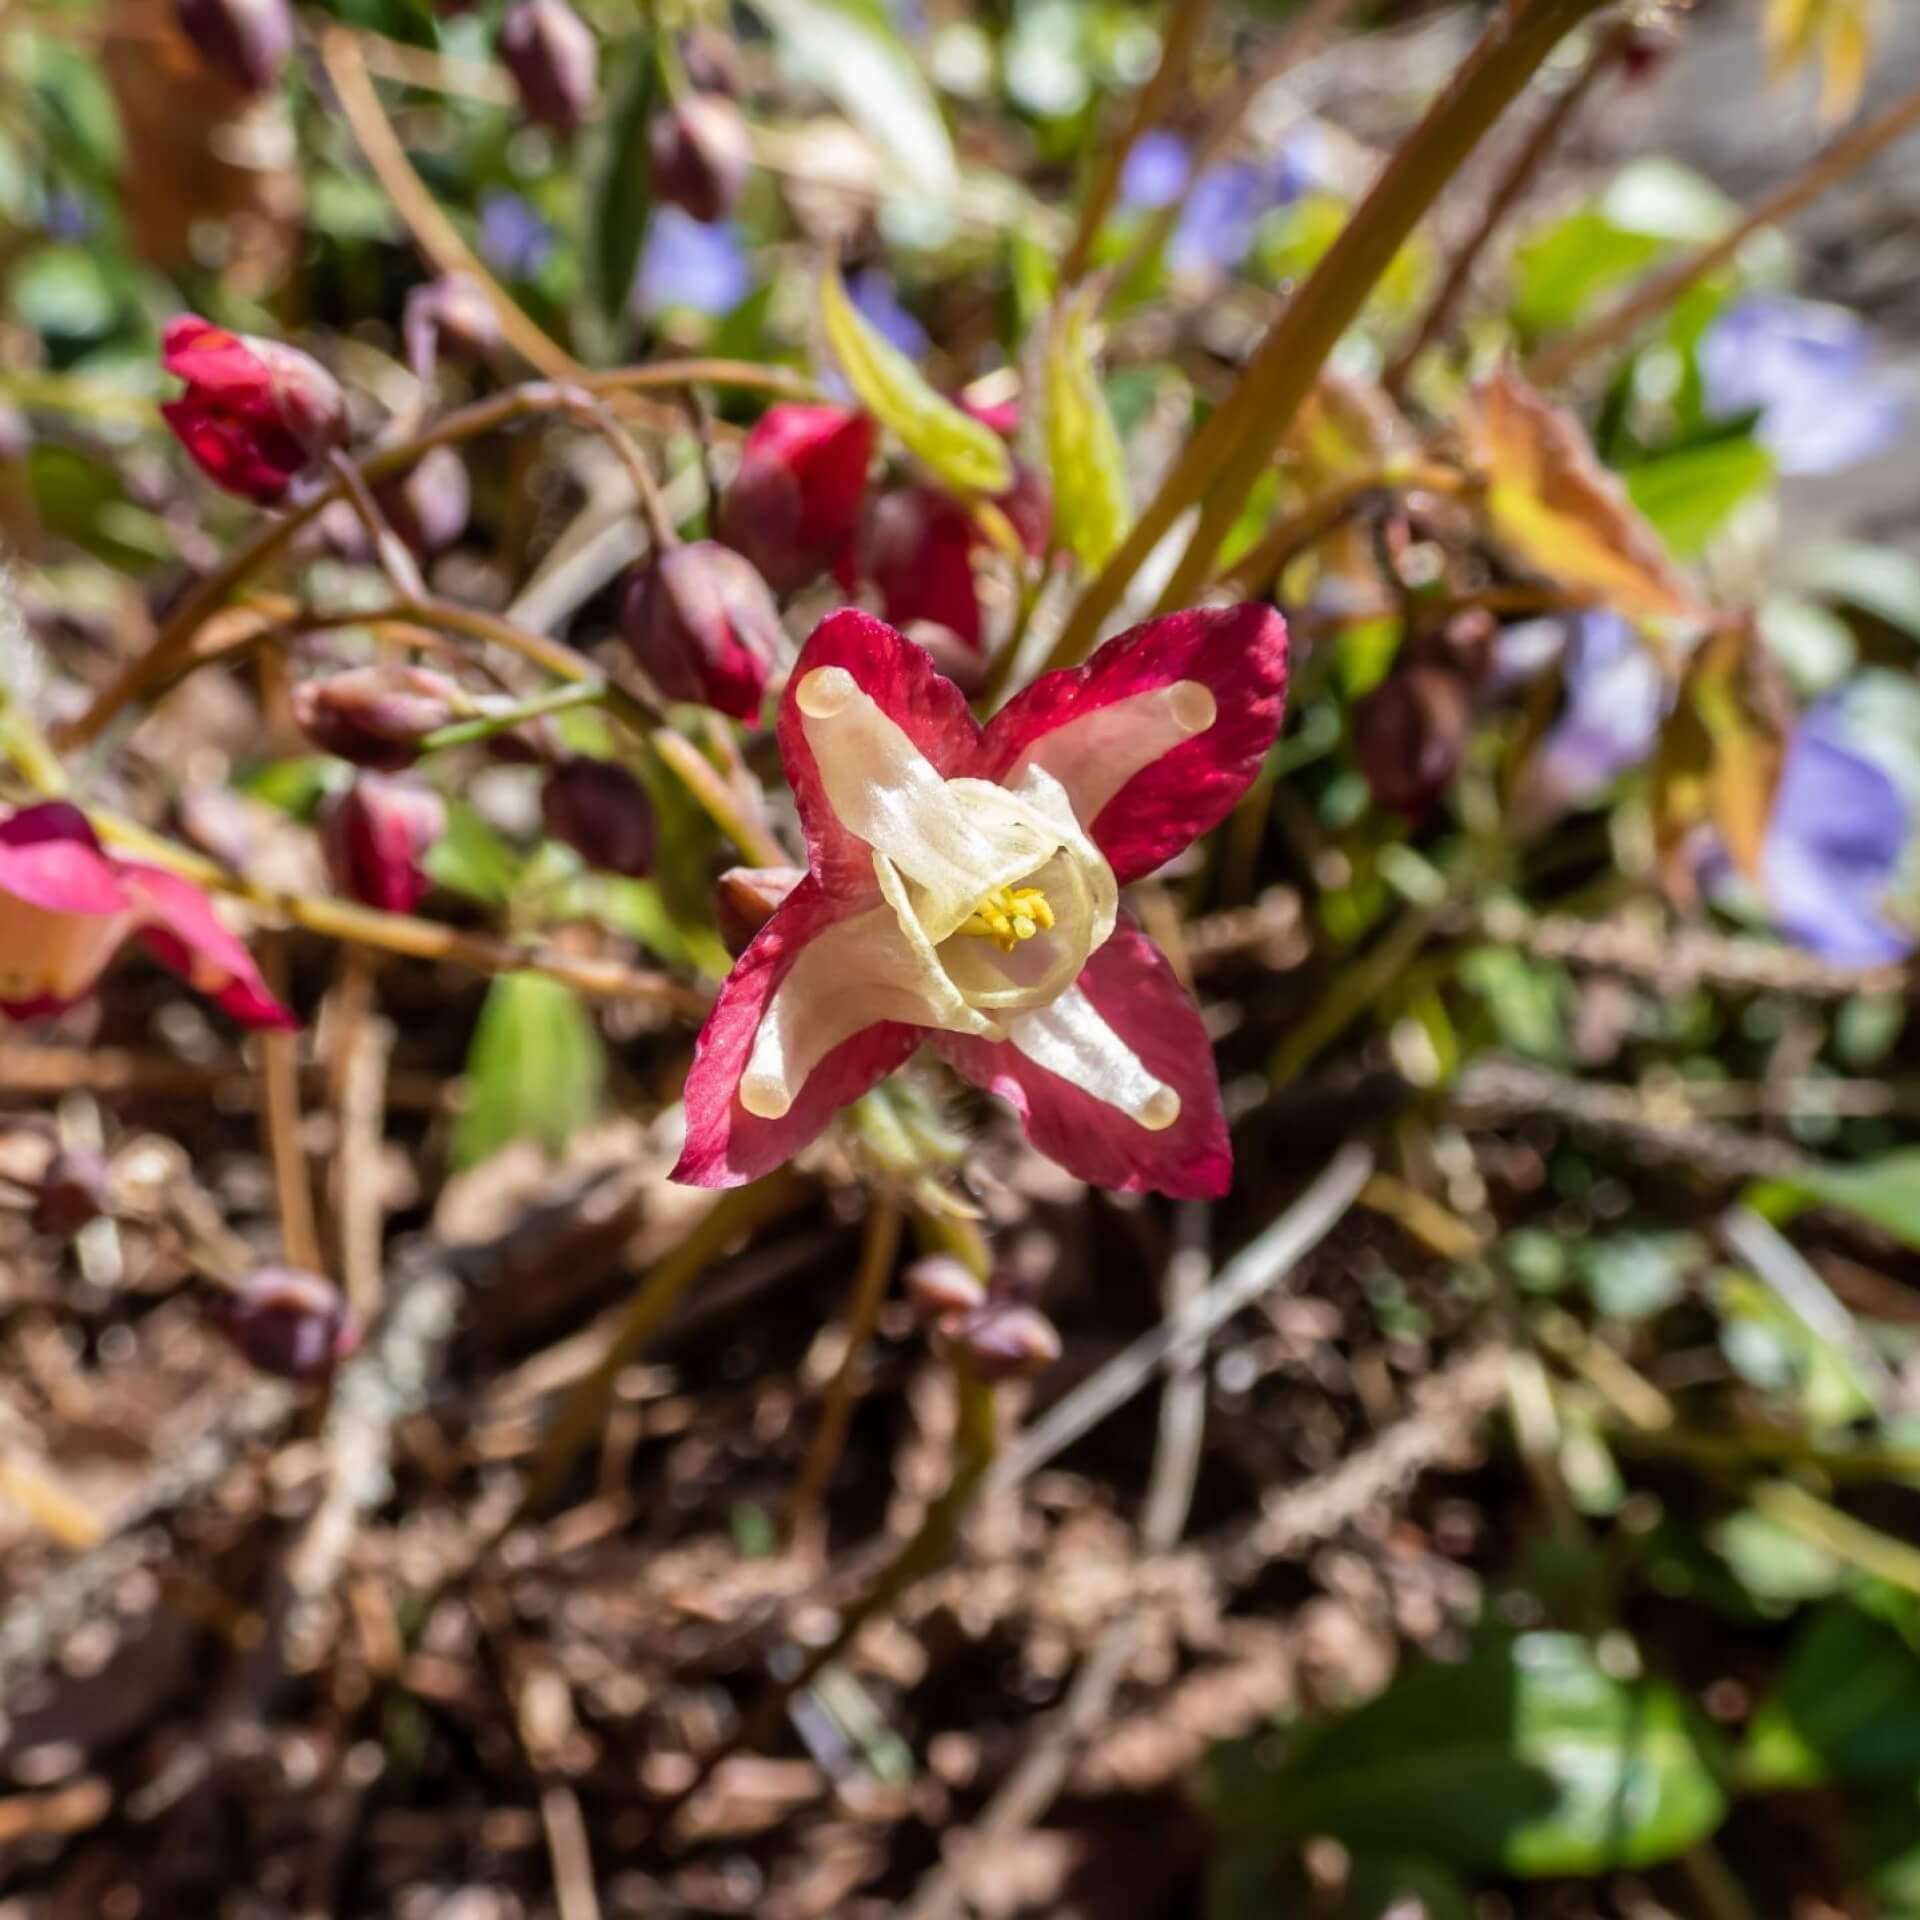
942 1289
290 1323
555 63
744 899
1007 1342
72 1191
376 716
795 501
1409 735
450 315
428 507
711 61
916 547
702 624
701 155
603 813
374 836
246 40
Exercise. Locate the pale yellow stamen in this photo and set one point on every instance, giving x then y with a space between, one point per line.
1008 915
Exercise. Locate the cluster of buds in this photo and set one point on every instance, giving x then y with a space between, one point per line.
1003 1336
703 627
290 1323
1412 731
555 63
603 813
700 154
375 834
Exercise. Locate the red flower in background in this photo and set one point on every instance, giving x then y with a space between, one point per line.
795 500
66 905
256 413
963 888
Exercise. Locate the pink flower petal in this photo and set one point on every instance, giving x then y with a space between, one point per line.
1239 654
50 858
183 932
903 681
726 1145
1134 990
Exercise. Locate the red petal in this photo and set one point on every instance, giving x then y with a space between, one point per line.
921 701
1238 653
726 1145
50 859
255 461
187 935
1135 992
218 365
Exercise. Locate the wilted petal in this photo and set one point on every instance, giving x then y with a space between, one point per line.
182 931
1156 738
1116 1080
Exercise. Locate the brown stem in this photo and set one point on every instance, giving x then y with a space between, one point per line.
1185 22
1557 360
280 1122
400 567
1521 177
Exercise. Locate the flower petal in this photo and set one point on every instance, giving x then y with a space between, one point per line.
910 691
727 1145
1128 1030
50 858
1159 734
183 932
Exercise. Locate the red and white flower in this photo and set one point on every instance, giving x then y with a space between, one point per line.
66 905
963 888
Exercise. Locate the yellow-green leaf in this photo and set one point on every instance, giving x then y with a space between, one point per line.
1837 34
955 448
1091 510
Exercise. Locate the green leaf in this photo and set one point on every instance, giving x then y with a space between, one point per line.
1881 581
1848 1704
957 449
1563 269
1091 510
535 1069
471 859
1884 1191
851 50
1528 1759
1690 494
619 181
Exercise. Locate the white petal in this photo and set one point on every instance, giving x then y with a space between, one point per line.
1069 1038
1094 756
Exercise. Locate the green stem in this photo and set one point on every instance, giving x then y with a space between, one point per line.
463 733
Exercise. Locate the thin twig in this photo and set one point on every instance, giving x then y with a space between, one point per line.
280 1120
362 1043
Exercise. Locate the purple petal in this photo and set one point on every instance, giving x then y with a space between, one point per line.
687 263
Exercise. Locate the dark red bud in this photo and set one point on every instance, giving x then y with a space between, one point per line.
376 716
795 500
1007 1342
555 62
1409 735
943 1290
701 155
374 836
72 1191
916 547
290 1323
711 61
428 507
247 40
703 626
744 900
451 315
603 813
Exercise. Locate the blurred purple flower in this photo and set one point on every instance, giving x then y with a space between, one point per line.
1225 205
873 293
687 263
1616 700
1838 836
1156 170
514 239
1808 371
69 216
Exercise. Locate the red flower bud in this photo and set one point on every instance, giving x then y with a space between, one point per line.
290 1323
744 899
1006 1342
428 507
72 1191
702 624
376 716
943 1290
795 500
603 813
374 836
555 63
916 547
712 61
1409 735
701 155
256 413
450 315
247 40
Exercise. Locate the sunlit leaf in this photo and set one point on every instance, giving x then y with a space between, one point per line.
1091 510
1560 512
955 448
534 1071
1689 495
1836 35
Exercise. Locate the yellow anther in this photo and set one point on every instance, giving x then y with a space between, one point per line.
1008 915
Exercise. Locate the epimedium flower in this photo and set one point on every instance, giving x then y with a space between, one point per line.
963 888
67 905
256 414
794 502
